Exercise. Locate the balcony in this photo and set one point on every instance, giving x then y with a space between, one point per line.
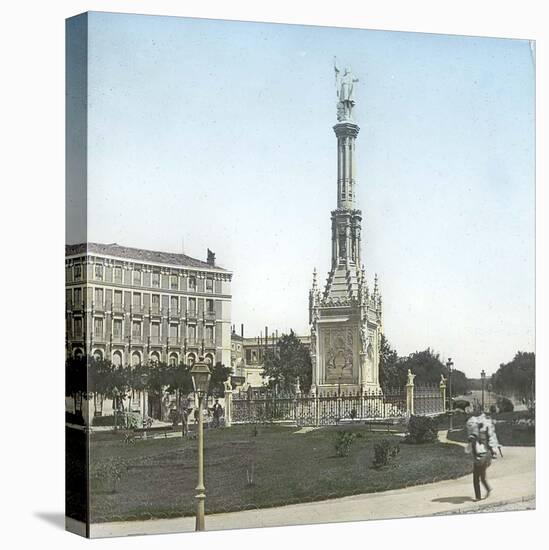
174 341
209 315
173 313
137 309
191 315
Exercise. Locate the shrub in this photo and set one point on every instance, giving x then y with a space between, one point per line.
493 409
384 451
108 472
422 429
504 404
343 443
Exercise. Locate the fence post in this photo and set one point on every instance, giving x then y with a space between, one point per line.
410 394
228 403
443 392
314 389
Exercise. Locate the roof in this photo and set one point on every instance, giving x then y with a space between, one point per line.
137 254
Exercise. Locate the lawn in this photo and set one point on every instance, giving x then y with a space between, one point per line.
248 467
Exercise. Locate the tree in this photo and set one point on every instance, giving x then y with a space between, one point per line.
518 377
390 375
288 362
220 374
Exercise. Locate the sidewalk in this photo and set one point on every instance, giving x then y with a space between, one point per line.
512 478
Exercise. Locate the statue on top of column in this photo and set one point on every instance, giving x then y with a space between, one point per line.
344 89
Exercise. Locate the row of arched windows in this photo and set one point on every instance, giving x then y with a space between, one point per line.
137 357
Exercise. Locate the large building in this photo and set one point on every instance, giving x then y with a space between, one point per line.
136 306
248 356
345 317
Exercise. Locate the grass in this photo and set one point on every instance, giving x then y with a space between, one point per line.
245 471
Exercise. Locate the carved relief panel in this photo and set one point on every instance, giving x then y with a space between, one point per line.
339 355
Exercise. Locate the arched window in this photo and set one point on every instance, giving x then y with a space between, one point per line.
191 359
155 357
117 358
78 353
173 359
209 359
98 355
136 359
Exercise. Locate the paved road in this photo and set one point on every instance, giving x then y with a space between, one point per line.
512 479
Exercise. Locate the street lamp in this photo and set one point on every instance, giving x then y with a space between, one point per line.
482 378
201 379
449 365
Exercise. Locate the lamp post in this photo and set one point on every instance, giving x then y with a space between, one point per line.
449 365
201 379
482 379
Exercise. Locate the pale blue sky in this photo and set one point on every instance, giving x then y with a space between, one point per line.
220 133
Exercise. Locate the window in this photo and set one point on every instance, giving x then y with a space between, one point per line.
117 274
174 284
118 298
192 333
77 272
136 277
209 285
238 347
155 302
210 306
98 297
78 296
117 328
174 301
192 306
192 283
98 327
209 334
156 279
99 272
136 329
78 326
136 300
173 331
155 330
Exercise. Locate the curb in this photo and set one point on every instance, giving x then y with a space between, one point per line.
480 508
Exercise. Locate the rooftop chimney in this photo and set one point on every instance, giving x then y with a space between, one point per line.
211 258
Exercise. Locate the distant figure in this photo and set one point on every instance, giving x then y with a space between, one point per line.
217 411
184 421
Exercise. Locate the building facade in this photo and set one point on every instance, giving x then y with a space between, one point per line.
136 306
248 356
345 317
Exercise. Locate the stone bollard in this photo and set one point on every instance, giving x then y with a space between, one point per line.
410 394
443 393
228 403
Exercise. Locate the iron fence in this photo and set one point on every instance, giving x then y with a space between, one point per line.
428 400
259 406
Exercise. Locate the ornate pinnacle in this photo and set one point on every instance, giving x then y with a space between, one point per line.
375 285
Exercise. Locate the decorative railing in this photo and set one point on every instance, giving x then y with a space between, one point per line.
259 405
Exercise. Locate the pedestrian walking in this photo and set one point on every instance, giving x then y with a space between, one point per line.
217 411
481 440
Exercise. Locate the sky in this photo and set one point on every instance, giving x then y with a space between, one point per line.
215 134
